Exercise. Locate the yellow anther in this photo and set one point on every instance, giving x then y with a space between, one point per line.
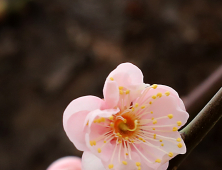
127 154
104 141
152 118
132 141
161 140
154 121
179 123
127 92
138 163
94 142
110 166
179 145
136 104
175 128
178 139
111 78
118 134
153 128
159 94
87 123
150 102
139 168
142 107
111 118
99 150
126 138
95 121
91 143
111 124
170 116
170 154
154 86
99 120
151 112
140 138
154 136
124 120
120 141
102 119
120 87
162 144
120 92
154 96
144 140
167 93
132 109
158 160
124 162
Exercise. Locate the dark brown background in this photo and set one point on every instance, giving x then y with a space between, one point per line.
54 51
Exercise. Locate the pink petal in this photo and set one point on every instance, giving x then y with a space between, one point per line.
96 130
88 103
74 116
111 94
127 75
167 105
74 129
163 89
91 162
164 166
100 113
66 163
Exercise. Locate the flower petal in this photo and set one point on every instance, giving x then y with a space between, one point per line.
74 116
128 76
66 163
91 162
74 129
111 94
88 103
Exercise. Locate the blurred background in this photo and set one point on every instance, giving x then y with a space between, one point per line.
54 51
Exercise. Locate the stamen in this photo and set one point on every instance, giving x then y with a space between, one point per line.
175 128
154 97
124 162
154 86
159 95
111 78
110 166
170 154
99 150
178 139
179 123
158 160
141 154
170 116
138 163
167 93
180 145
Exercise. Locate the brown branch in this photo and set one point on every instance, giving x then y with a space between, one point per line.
197 129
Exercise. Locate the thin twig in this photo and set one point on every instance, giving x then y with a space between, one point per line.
197 129
197 98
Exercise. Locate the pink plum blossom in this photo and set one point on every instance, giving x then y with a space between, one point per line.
66 163
135 126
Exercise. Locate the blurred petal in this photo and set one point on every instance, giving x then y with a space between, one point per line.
91 162
66 163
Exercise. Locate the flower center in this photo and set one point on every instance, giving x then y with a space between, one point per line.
126 125
123 126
